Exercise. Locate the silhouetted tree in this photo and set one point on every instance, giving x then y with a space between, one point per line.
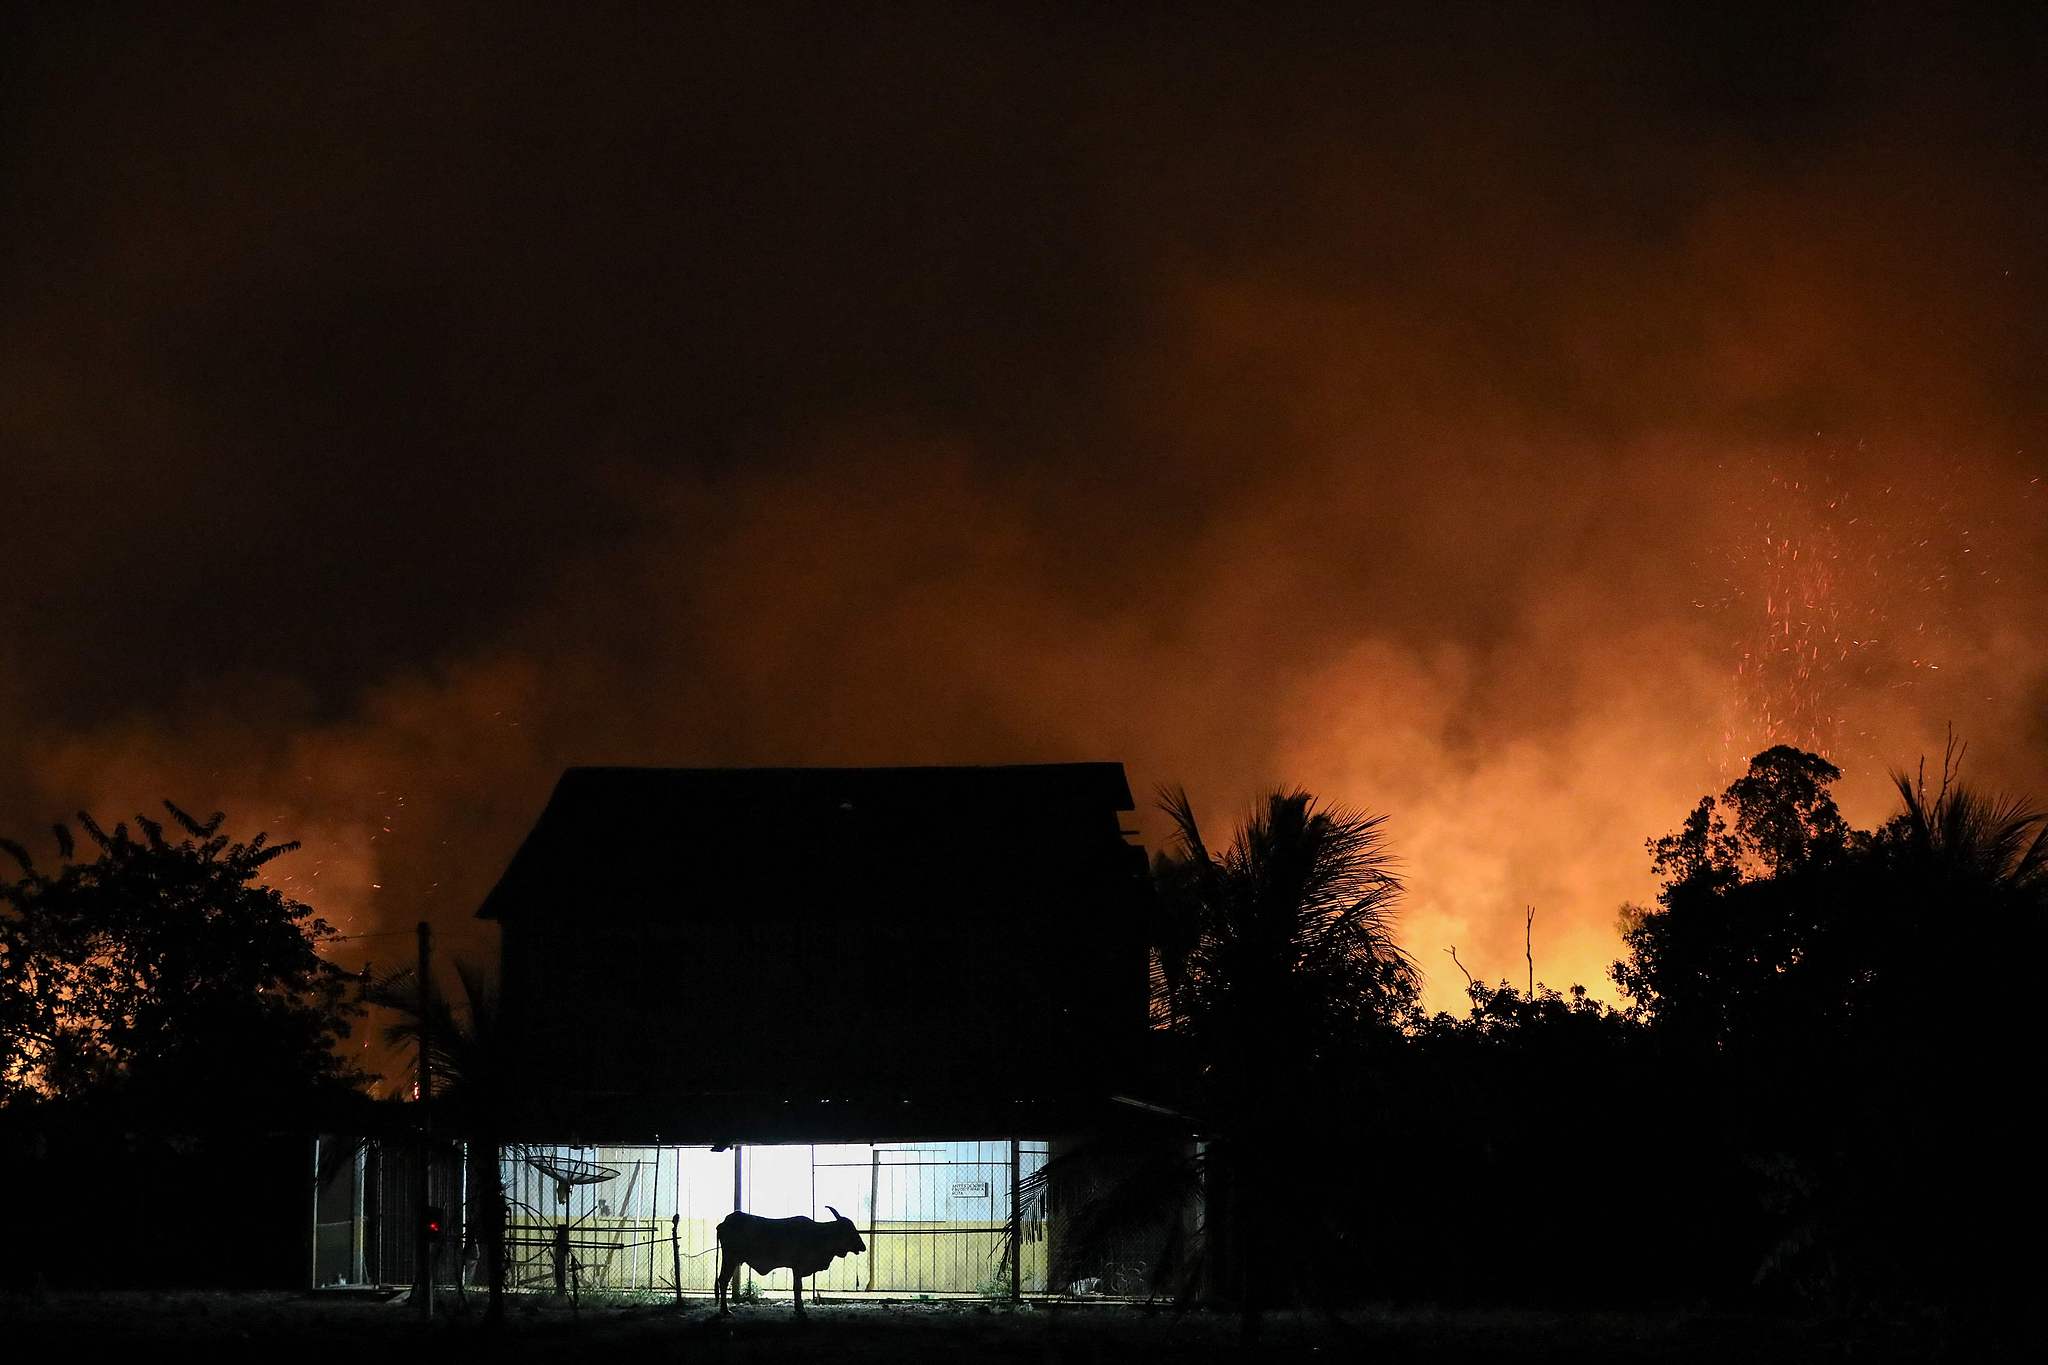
164 970
1756 887
1791 960
1291 973
1281 945
1785 816
1941 1163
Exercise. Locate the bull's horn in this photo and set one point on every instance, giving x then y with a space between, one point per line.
835 1213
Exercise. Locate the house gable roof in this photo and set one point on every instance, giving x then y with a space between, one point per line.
625 835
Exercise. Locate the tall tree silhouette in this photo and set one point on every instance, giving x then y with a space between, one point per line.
1290 965
1758 890
1788 964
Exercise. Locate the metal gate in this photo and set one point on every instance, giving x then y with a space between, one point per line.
365 1211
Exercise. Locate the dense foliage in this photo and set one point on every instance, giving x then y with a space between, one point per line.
164 973
1800 969
1276 955
1798 1101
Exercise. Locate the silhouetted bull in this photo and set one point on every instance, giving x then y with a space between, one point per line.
802 1246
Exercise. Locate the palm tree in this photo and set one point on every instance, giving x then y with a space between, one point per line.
1958 856
1280 945
1968 839
1274 969
474 1078
1927 1082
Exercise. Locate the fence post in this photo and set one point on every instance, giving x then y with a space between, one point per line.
423 1193
874 1210
739 1206
1016 1227
359 1226
314 1275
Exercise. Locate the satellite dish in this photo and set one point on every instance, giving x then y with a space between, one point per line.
568 1172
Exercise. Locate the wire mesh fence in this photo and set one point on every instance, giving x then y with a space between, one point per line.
936 1217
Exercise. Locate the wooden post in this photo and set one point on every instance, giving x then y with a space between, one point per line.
422 1245
358 1261
675 1228
738 1206
874 1200
1016 1228
314 1272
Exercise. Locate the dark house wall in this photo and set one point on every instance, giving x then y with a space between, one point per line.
828 933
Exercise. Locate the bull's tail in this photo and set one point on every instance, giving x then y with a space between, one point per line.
718 1269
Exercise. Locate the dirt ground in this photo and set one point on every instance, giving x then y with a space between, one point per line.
368 1330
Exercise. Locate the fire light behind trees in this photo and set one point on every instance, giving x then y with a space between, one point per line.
163 972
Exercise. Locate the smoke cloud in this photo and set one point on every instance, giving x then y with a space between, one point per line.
1507 431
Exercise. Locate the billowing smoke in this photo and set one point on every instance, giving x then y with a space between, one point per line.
1510 432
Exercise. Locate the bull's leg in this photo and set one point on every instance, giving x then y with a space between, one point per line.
798 1281
718 1286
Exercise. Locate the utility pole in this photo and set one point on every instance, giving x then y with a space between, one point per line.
422 1241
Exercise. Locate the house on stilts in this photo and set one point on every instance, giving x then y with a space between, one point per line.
896 992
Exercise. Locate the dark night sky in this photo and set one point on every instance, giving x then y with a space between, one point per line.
1508 419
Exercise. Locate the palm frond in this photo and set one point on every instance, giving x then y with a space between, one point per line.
257 855
200 830
152 830
1965 833
1119 1198
465 1037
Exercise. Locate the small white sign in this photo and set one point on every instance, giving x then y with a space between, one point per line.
970 1189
